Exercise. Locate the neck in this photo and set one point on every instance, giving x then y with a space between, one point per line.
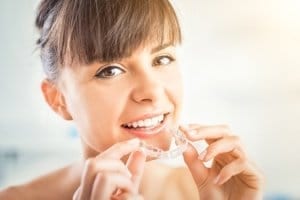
153 179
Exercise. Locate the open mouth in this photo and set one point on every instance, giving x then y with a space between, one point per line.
146 127
146 123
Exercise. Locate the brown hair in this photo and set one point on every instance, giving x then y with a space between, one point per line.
84 31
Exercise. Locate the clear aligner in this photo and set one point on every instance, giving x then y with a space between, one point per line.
158 153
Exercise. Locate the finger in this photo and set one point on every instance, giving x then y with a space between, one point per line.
235 167
230 144
121 149
196 166
128 196
93 166
106 183
76 195
197 132
199 126
136 165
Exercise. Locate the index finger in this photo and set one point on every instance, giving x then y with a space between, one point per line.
197 132
121 149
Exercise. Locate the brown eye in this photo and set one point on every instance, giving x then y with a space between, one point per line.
109 72
163 60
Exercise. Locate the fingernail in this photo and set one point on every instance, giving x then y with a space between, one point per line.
216 180
142 152
128 173
202 155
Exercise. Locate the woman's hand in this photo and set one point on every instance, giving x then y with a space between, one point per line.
106 177
232 175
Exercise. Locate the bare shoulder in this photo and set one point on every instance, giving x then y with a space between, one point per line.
183 179
10 193
59 184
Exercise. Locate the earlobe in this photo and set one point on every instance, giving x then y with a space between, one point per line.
55 99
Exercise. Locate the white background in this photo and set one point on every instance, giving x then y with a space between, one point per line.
240 62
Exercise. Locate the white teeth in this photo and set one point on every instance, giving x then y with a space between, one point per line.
140 123
160 118
135 124
146 123
153 120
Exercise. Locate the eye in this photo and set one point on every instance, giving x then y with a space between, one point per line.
109 72
163 60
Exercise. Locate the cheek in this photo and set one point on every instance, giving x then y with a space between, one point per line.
96 112
175 87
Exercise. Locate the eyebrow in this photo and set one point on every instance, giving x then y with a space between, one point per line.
160 47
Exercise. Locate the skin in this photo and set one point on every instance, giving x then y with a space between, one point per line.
113 167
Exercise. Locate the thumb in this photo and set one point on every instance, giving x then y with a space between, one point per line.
136 164
195 165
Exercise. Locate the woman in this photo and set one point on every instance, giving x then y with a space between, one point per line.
111 67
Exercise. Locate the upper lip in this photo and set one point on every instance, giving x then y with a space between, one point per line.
146 116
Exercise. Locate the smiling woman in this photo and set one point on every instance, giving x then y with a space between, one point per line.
111 67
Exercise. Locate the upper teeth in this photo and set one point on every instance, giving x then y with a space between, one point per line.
146 122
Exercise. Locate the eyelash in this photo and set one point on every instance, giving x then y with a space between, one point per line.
171 59
101 73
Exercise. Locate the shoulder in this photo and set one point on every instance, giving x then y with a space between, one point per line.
62 182
11 193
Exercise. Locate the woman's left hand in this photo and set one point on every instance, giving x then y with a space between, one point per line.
232 175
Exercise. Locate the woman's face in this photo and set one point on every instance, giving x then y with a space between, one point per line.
138 96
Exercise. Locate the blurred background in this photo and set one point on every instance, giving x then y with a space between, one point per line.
241 66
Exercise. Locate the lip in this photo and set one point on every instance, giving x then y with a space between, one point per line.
148 132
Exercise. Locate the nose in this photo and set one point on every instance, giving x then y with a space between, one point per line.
148 88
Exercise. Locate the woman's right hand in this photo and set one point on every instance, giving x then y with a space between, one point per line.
106 177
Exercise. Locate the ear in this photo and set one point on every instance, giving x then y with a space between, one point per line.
55 99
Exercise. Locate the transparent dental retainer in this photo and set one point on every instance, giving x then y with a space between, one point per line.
155 152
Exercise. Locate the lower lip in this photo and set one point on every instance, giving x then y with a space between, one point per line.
147 133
